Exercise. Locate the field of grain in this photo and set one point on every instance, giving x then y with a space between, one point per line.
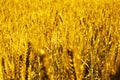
59 39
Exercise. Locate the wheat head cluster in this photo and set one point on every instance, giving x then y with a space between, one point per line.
59 39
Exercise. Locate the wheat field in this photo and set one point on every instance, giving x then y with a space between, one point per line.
59 39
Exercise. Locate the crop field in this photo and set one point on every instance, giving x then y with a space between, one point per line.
59 39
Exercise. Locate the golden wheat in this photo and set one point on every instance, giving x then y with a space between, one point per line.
59 40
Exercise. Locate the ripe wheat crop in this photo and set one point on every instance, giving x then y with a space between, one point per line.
59 39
